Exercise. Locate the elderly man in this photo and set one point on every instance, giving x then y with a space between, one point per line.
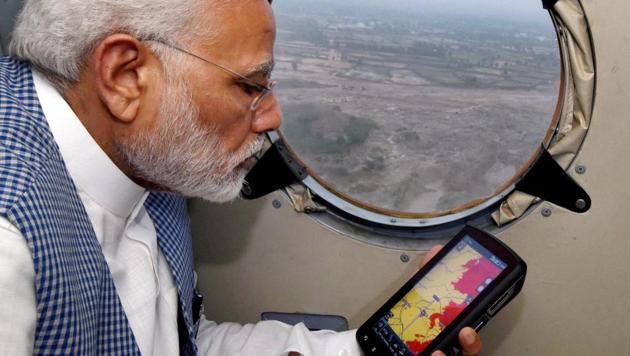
111 112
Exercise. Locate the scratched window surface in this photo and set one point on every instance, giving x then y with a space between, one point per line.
416 105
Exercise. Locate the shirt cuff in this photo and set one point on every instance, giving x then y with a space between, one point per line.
323 342
272 338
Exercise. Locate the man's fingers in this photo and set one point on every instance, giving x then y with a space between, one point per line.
470 341
429 255
438 353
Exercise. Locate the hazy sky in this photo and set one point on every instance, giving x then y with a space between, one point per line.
515 9
523 7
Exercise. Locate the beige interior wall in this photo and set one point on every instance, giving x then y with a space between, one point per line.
252 257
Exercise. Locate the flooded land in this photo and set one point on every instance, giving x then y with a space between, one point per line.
413 111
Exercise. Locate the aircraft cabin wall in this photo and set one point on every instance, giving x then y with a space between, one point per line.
262 255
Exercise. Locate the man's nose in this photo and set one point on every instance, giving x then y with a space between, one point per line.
268 116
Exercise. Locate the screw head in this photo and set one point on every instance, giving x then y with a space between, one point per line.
276 204
580 169
393 221
405 258
246 189
580 204
546 212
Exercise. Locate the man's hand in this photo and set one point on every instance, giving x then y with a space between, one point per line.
468 338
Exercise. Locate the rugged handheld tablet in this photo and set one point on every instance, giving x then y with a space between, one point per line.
465 284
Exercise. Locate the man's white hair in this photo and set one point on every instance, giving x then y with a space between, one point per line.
57 36
178 153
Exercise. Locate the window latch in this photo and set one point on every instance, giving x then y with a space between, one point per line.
547 180
276 169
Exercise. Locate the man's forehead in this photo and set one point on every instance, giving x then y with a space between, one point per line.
238 19
244 38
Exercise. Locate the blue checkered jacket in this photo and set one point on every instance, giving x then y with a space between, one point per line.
78 309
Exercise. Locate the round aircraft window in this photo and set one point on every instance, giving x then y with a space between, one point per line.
416 106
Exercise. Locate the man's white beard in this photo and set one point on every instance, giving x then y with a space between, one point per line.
180 155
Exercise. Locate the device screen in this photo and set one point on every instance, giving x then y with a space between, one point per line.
438 298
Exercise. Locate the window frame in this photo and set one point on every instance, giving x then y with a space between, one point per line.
392 223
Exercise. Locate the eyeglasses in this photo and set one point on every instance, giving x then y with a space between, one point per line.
263 90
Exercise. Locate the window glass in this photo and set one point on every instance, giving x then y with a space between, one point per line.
415 105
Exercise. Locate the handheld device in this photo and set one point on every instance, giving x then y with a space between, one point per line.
473 277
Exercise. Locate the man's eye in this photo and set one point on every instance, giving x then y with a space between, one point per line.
249 89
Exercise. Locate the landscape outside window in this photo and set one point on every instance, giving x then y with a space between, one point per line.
416 105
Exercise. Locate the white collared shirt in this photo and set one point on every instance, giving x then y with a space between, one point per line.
143 279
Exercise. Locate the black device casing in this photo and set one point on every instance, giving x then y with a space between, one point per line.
489 302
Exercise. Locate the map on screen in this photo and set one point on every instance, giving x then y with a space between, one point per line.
439 297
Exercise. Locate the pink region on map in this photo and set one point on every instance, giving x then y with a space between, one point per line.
451 311
477 272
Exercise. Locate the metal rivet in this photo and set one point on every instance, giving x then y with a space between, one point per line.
580 204
580 169
277 204
546 212
246 189
405 258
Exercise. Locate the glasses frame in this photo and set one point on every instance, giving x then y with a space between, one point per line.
264 90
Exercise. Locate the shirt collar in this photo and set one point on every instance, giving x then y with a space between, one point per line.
92 171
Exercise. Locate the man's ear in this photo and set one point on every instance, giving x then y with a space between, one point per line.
123 66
